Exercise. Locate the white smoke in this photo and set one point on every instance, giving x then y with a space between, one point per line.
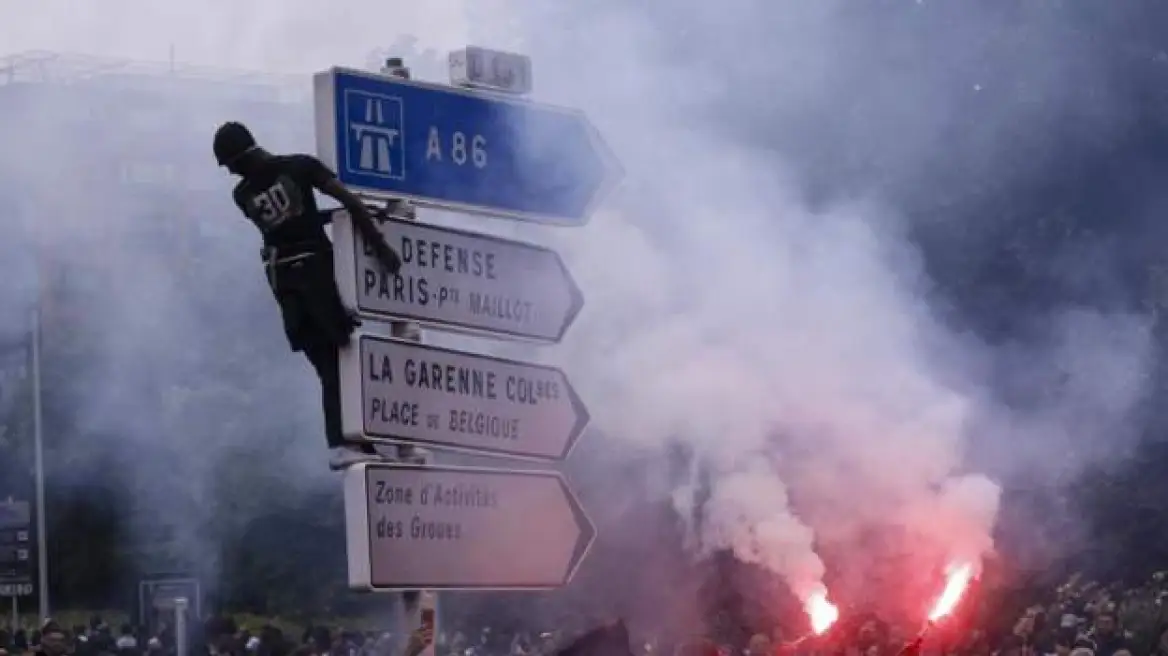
791 346
762 532
791 351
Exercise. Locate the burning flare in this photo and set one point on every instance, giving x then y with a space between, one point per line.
822 612
957 580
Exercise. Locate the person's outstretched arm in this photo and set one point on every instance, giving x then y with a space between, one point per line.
326 181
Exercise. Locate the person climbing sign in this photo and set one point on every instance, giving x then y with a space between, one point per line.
276 193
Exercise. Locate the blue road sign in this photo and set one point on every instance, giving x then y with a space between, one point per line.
461 150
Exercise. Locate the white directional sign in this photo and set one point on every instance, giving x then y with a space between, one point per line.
16 589
403 391
417 527
460 280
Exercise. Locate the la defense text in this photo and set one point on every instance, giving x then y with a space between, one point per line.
414 287
392 501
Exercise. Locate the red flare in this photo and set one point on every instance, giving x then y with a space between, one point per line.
822 612
957 578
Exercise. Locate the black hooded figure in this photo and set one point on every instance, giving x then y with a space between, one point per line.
276 194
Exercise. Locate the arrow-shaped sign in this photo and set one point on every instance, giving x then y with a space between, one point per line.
459 149
457 279
402 391
417 527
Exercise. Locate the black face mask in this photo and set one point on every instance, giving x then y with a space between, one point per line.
232 141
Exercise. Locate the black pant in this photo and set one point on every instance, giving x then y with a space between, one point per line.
310 304
317 323
327 364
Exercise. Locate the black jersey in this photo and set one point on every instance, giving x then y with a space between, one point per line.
278 198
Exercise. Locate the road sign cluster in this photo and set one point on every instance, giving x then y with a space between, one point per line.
419 526
16 561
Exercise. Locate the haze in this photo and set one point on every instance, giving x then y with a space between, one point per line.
777 287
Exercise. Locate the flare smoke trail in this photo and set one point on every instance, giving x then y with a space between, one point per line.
791 336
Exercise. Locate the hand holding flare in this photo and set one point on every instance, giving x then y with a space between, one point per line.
957 578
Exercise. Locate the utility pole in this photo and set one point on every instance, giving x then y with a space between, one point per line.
42 533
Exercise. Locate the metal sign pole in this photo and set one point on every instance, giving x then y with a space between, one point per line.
180 627
420 607
42 536
15 614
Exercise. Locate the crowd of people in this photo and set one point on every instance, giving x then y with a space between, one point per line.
217 637
1080 618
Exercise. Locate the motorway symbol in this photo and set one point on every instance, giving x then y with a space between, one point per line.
460 149
420 527
460 280
402 391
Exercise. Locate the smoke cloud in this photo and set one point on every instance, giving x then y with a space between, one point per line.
756 291
770 306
